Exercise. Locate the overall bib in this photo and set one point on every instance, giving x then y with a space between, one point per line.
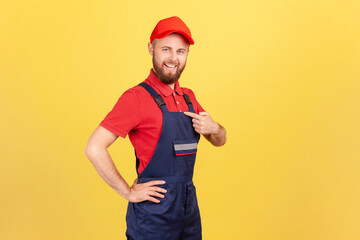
177 215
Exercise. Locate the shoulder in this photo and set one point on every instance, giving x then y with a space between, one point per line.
132 98
138 95
135 91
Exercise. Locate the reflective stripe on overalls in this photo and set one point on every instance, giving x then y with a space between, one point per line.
177 215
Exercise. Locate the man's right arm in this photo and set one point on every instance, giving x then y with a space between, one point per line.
96 151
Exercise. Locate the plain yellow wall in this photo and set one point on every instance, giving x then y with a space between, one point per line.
283 77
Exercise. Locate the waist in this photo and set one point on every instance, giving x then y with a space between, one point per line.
168 180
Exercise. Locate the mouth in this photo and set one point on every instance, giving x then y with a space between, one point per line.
171 67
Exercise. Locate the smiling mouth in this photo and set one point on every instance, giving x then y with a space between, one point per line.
170 66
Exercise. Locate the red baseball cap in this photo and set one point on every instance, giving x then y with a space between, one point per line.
171 25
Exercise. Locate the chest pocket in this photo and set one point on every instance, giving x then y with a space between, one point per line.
185 154
185 147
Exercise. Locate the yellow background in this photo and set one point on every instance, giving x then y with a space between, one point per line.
283 77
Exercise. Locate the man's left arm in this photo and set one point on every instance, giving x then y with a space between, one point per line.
211 130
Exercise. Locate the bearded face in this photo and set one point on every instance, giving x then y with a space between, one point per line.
168 71
169 55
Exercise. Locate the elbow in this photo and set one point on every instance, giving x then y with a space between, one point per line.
89 150
93 151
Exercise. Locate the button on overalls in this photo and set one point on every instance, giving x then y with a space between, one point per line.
177 215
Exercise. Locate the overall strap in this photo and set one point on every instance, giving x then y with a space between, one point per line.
189 103
158 99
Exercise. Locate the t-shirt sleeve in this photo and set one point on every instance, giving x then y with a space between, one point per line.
125 115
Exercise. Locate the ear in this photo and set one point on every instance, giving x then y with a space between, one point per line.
151 48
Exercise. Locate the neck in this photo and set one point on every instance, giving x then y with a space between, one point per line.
172 86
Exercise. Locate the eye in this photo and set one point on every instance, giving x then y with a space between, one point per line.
181 51
165 49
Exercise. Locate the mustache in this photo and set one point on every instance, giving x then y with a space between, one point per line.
172 63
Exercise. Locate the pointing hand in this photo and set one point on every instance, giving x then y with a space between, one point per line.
203 123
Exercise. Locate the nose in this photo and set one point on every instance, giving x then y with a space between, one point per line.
173 56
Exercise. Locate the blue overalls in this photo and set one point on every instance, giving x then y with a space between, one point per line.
177 215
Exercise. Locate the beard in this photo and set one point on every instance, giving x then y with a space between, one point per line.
167 78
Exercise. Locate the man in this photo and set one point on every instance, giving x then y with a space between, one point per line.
164 122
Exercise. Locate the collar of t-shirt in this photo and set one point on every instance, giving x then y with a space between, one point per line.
162 87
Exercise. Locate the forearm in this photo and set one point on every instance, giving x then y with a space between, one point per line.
105 167
218 138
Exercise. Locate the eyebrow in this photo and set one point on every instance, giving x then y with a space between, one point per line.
171 48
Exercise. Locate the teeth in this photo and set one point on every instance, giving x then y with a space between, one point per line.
168 65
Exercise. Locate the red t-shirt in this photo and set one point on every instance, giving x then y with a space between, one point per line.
136 113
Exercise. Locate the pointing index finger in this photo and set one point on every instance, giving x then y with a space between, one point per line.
190 114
